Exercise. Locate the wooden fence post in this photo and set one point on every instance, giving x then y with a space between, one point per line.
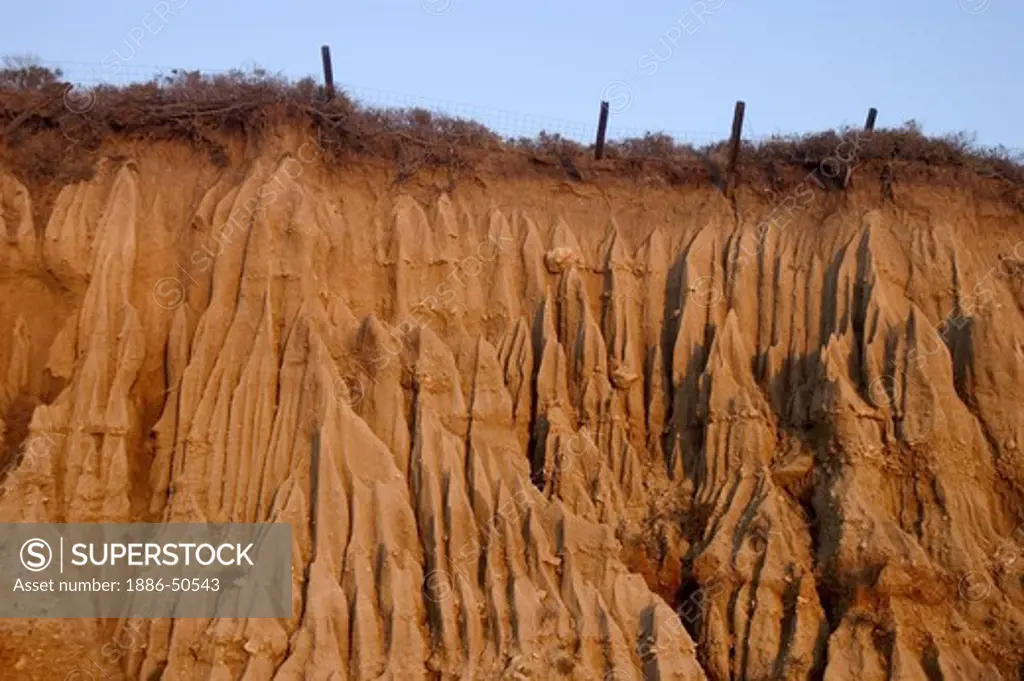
325 54
734 144
872 115
602 130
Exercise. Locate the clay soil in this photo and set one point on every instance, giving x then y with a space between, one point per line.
529 414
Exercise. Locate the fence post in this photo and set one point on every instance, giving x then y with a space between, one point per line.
869 126
602 129
872 115
325 54
734 144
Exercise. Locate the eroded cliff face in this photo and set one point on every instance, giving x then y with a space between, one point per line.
528 429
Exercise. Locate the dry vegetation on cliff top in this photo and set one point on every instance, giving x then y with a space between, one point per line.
53 130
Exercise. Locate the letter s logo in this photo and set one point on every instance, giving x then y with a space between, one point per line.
36 555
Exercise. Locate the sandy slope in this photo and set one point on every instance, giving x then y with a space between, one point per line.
528 428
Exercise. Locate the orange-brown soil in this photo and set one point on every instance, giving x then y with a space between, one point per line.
527 425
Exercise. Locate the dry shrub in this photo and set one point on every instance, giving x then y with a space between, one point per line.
26 72
906 145
548 144
46 124
653 145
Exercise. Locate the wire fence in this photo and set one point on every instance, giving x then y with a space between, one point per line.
508 124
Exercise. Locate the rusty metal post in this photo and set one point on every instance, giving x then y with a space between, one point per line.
602 130
734 144
872 115
325 53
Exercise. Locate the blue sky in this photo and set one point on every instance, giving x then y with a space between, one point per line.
801 65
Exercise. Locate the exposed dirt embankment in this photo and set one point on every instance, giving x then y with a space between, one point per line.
609 429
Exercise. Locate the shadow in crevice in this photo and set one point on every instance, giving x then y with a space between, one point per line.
829 321
539 426
669 332
685 437
647 644
538 446
930 662
793 389
16 420
957 331
689 603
